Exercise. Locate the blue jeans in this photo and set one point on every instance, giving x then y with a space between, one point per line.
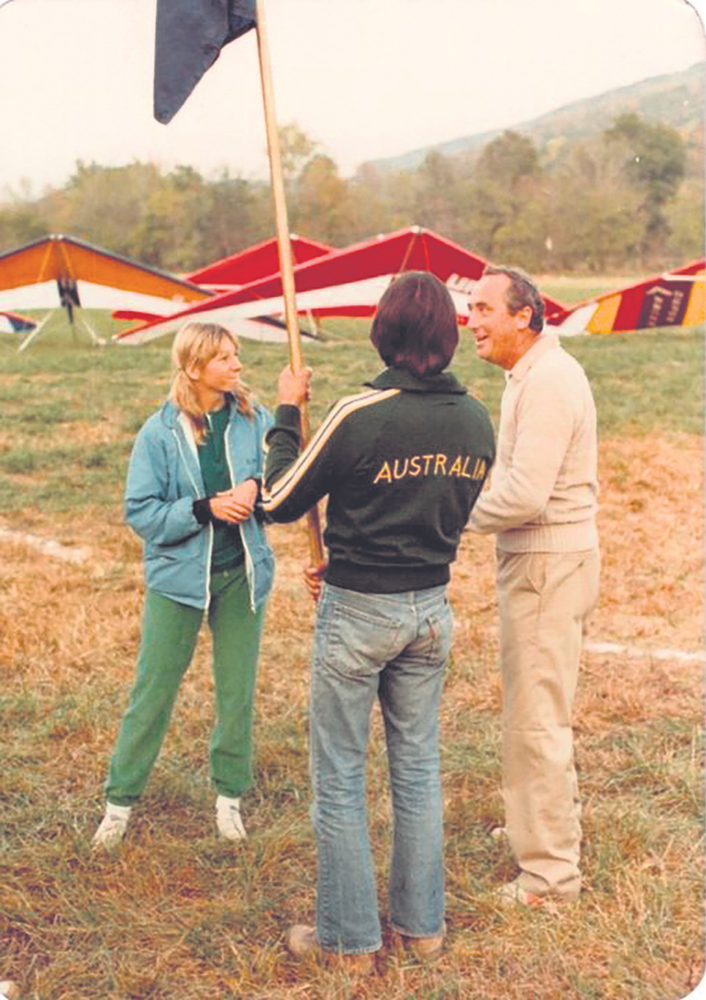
393 647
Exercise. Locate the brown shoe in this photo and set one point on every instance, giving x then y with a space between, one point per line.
355 965
302 941
426 949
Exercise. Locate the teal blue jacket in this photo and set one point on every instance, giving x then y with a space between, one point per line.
164 478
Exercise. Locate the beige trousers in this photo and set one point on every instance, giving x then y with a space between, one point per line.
544 599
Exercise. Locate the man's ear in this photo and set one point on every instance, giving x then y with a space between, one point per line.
523 317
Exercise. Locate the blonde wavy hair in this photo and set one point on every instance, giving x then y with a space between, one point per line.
197 344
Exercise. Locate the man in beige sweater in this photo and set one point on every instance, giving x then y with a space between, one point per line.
541 504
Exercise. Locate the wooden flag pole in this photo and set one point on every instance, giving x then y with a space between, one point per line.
285 253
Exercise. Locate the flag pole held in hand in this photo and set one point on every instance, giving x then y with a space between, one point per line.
285 253
189 37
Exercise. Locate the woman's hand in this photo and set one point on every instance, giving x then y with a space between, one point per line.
313 579
237 504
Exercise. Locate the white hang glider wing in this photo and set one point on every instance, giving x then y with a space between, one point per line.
346 282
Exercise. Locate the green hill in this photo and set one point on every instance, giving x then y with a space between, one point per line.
676 99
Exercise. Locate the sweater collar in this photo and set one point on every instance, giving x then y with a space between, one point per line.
544 342
397 378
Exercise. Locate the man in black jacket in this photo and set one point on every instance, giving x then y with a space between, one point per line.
402 464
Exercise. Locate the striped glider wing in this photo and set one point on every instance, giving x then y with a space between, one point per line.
29 277
675 298
12 322
346 282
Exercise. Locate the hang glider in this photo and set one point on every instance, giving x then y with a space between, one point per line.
12 322
346 282
258 261
57 270
675 298
65 272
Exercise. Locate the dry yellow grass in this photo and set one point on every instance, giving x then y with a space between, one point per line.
177 913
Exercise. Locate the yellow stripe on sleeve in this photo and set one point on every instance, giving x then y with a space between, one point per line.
284 486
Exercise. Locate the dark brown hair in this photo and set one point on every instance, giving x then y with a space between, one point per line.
415 326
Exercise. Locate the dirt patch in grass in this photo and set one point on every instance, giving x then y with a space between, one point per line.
652 540
652 586
651 526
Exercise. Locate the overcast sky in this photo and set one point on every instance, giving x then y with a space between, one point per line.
364 78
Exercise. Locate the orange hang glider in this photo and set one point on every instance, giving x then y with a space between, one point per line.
62 271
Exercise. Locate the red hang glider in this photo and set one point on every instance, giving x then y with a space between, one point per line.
346 282
12 322
258 261
675 298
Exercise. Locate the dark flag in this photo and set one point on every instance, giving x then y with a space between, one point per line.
189 39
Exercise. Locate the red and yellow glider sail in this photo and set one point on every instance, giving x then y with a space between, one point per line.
675 298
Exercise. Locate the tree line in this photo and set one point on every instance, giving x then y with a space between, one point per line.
628 199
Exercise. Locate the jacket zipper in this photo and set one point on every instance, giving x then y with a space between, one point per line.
248 558
210 526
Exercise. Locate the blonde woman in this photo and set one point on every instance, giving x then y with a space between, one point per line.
192 487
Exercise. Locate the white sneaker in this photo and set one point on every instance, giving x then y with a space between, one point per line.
228 819
113 826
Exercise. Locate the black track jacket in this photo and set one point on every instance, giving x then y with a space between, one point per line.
402 464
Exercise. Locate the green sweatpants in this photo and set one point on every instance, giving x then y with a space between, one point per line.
169 634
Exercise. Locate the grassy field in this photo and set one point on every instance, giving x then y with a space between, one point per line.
176 912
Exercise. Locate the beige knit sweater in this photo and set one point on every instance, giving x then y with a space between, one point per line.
543 493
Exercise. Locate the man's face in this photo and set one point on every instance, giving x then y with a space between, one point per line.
500 338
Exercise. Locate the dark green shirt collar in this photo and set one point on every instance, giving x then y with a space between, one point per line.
397 378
